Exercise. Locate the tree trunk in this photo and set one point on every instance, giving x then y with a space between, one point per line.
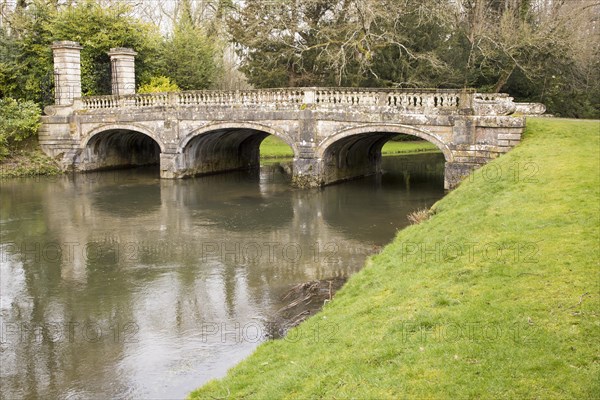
503 79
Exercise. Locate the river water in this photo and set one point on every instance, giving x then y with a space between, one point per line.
118 284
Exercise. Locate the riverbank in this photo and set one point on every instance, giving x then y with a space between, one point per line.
27 159
495 296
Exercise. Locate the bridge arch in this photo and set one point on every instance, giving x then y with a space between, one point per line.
224 146
214 127
390 130
356 152
119 145
122 127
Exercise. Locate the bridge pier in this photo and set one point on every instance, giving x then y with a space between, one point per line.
168 165
306 173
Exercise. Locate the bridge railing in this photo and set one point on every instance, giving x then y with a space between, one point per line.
407 99
404 100
258 97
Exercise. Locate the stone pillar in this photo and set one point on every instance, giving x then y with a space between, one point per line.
122 65
67 72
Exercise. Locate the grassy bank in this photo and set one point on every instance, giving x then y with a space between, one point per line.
27 159
495 296
273 147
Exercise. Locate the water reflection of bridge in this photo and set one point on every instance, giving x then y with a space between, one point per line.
108 249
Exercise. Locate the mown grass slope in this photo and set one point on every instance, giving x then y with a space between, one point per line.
495 296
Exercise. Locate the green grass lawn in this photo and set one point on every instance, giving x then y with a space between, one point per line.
273 147
495 296
417 146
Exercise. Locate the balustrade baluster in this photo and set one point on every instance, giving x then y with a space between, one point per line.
413 101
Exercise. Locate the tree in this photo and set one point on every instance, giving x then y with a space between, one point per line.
340 42
529 49
26 65
98 29
26 61
18 121
536 50
189 57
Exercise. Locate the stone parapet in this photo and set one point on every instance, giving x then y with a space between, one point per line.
533 109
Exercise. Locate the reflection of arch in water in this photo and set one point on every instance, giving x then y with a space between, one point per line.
416 181
233 201
224 147
356 152
114 146
127 200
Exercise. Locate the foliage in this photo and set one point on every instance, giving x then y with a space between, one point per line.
27 159
189 58
314 42
26 69
18 121
158 84
418 216
534 50
491 297
98 29
26 65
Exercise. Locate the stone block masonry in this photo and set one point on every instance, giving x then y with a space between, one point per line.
335 133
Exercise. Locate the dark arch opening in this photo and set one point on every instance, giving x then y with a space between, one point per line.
358 155
223 150
120 148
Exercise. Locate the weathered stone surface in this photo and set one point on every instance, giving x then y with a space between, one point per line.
493 104
335 133
67 72
509 136
455 172
530 108
122 64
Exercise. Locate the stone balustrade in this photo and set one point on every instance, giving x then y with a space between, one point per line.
99 102
531 108
441 101
493 104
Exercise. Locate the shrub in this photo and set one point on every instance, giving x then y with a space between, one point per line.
159 84
418 216
18 120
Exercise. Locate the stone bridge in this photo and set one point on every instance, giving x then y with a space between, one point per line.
335 133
